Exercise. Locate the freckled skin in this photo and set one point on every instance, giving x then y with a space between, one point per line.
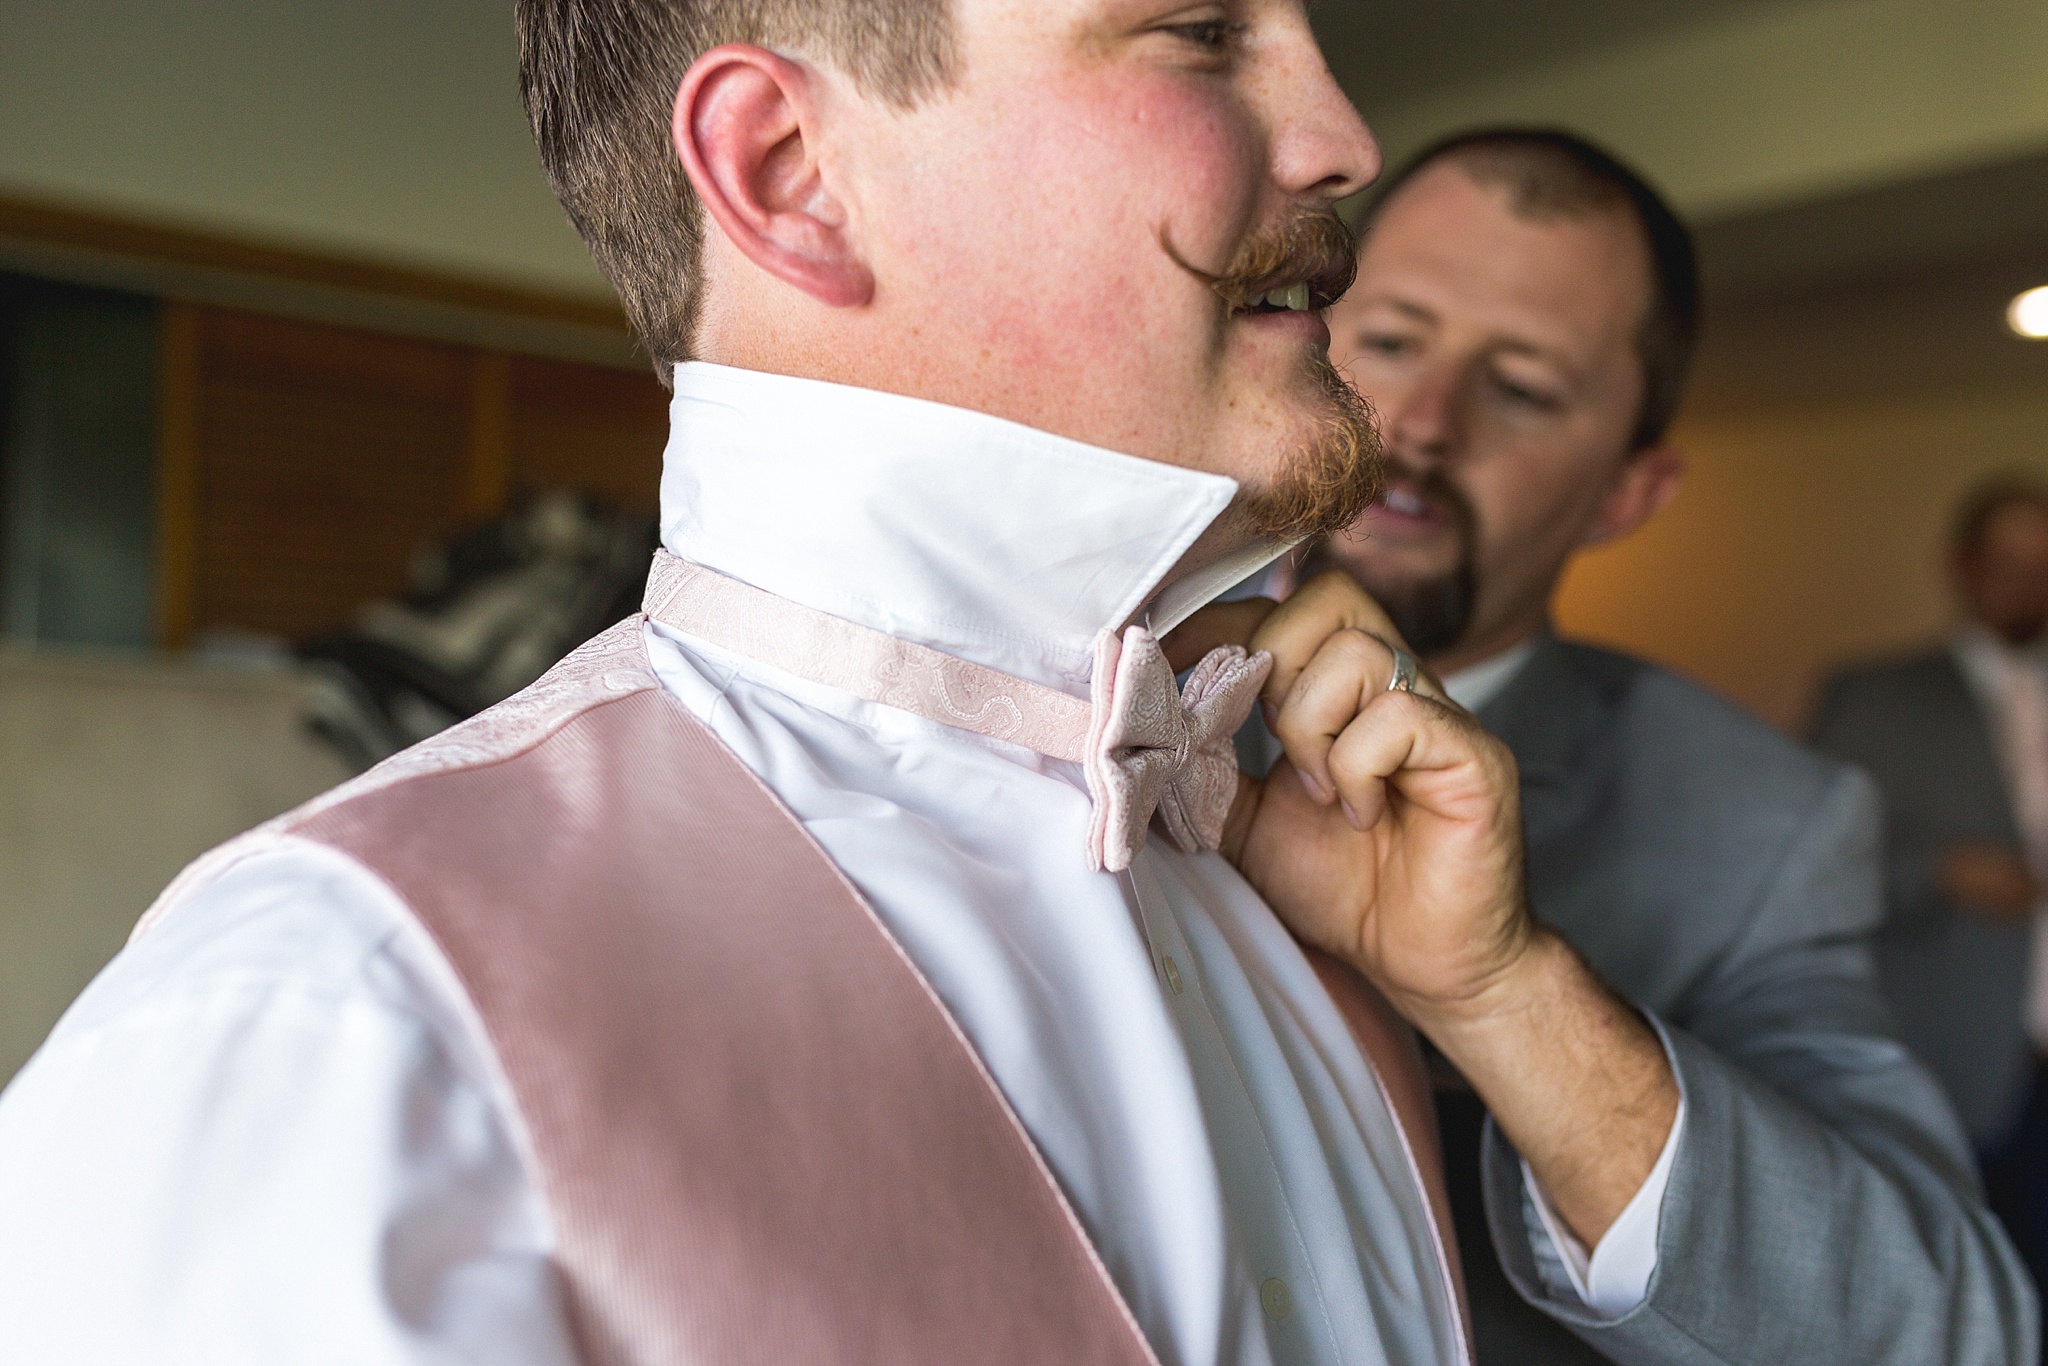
1012 224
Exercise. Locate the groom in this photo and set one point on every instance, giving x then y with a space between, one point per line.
799 971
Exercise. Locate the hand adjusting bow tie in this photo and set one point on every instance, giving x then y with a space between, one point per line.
1144 745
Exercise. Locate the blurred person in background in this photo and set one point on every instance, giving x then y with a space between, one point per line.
1957 737
1523 317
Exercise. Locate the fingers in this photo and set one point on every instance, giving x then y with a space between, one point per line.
1295 631
1220 623
1348 669
1431 755
1371 752
1328 690
1348 737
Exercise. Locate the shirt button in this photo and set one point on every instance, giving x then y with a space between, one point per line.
1275 1298
1172 971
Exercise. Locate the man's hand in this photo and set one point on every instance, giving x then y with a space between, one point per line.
1390 836
1989 878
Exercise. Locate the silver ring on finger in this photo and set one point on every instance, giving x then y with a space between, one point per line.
1407 668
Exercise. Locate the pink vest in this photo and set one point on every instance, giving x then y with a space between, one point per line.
760 1134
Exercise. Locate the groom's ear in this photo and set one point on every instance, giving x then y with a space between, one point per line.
747 131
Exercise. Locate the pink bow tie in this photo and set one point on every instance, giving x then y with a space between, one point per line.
1154 747
1144 745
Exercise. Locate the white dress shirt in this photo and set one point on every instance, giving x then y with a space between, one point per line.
1476 685
272 1129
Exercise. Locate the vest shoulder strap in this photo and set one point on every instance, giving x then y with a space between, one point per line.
760 1133
762 1136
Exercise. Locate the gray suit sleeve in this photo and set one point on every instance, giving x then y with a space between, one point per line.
1822 1206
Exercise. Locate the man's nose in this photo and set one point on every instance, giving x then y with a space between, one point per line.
1422 425
1321 147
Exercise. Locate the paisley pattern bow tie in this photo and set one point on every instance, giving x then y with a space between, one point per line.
1155 747
1144 745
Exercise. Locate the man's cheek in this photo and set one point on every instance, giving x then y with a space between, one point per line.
1189 153
1211 206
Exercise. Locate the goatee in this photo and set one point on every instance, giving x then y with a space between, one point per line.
1327 483
1431 614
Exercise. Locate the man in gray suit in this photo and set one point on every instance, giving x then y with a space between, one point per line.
1523 316
1957 738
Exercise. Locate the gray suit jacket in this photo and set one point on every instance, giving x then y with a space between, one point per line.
1822 1206
1956 982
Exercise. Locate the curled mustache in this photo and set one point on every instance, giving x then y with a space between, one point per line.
1313 247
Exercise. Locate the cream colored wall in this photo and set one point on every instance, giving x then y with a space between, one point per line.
1774 103
113 776
1831 433
382 128
1803 536
391 128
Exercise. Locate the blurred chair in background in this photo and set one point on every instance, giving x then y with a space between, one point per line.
485 615
1957 737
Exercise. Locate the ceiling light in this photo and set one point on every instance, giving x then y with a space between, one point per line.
2027 314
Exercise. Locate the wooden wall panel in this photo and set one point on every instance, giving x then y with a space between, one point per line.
490 435
588 427
325 458
177 471
312 462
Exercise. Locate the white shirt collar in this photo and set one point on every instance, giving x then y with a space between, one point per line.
1986 658
1472 688
974 535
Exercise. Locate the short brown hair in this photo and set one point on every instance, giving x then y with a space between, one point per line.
1550 173
599 81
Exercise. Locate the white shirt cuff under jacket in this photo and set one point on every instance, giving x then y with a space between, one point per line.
1615 1277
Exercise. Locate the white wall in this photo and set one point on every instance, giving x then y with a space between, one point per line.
1768 105
381 128
391 128
113 776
